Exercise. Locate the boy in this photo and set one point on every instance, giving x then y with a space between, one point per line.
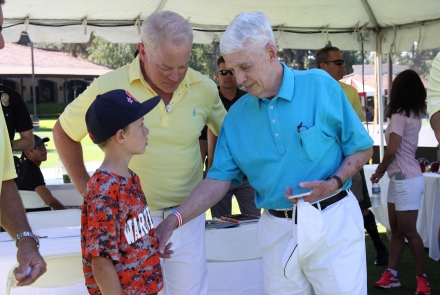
118 238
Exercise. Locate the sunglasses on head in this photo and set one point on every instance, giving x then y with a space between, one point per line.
337 62
225 72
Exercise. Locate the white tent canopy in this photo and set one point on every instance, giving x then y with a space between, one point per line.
298 24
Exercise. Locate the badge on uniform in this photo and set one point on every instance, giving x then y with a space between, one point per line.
5 99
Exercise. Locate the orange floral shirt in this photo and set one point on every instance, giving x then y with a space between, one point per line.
116 224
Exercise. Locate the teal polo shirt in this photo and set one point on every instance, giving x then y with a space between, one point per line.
302 134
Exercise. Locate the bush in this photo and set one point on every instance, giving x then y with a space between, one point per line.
47 109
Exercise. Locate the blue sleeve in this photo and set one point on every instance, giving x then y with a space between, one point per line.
223 158
343 124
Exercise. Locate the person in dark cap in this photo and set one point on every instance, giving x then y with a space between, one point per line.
30 177
118 238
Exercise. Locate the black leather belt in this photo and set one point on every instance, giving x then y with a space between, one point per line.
324 204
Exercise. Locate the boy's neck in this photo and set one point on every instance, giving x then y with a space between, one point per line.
116 162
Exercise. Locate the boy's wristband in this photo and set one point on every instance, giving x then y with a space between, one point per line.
179 218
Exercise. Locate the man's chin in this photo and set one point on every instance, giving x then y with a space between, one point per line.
167 88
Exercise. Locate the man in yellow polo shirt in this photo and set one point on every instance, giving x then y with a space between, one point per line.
12 216
171 166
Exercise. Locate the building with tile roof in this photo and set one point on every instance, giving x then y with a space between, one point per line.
59 77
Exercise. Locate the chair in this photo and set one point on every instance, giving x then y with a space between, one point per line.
31 200
62 270
56 218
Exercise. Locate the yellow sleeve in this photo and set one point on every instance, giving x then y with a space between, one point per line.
73 119
8 169
434 87
216 115
353 98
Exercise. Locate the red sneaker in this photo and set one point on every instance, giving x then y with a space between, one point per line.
387 281
422 286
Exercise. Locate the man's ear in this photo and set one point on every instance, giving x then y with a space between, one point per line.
272 52
141 49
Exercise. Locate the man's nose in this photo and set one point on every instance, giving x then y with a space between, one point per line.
240 77
174 76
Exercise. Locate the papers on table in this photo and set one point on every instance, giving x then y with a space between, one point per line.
216 223
240 218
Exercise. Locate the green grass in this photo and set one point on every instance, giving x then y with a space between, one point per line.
406 271
91 151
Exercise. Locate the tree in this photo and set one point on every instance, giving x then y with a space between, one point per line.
419 61
202 62
110 54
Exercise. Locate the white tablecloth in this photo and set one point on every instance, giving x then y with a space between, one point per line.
234 263
428 221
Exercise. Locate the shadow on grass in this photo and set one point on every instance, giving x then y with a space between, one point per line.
407 272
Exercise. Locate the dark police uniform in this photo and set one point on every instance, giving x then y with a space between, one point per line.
16 113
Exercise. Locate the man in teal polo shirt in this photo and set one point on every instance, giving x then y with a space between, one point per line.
296 129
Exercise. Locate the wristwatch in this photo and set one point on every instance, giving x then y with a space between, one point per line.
27 234
338 180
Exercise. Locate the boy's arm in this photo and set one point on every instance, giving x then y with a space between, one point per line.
106 276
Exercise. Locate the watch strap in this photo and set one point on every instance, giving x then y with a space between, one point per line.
338 180
27 234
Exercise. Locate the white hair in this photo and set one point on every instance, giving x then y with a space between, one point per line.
165 26
248 30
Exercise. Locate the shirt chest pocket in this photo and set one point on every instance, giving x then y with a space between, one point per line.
311 145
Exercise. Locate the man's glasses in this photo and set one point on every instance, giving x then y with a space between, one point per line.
338 62
225 72
43 145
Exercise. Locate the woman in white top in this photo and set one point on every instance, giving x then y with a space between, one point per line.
406 108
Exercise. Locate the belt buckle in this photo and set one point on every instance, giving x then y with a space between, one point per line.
287 215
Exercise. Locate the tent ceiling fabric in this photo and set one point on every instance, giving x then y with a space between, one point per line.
297 24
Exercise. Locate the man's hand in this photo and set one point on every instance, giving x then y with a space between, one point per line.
28 255
320 189
163 232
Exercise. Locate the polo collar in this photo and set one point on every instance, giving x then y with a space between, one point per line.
286 89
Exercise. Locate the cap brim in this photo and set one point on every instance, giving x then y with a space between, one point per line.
147 106
41 140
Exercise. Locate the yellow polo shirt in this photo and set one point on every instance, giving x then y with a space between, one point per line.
353 97
171 166
7 171
434 87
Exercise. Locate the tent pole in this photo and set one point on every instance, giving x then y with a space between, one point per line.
35 120
390 76
379 97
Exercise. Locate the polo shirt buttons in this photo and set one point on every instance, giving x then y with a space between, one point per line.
273 121
276 134
271 107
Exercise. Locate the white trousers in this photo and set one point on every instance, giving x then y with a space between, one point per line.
186 272
338 266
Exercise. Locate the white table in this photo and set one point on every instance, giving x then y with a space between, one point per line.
66 194
234 263
428 221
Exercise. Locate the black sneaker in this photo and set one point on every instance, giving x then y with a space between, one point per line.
381 257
